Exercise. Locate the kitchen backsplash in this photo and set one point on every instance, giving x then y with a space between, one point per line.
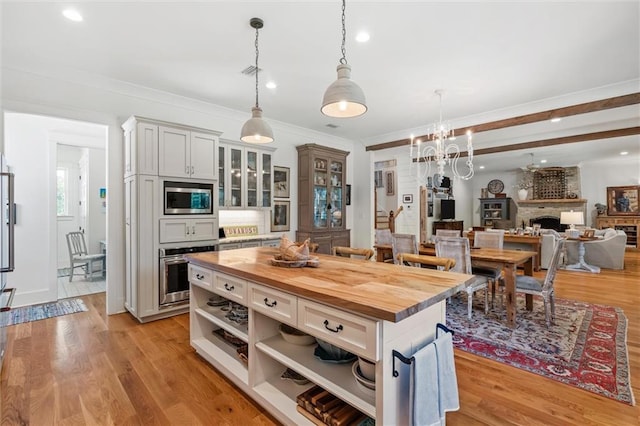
260 218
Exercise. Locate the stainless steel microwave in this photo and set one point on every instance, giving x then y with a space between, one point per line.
188 198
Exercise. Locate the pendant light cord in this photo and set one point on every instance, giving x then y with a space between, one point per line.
257 69
343 60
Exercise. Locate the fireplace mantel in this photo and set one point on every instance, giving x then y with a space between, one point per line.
553 201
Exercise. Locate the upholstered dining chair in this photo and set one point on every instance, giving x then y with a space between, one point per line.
403 243
544 288
364 253
447 233
490 239
79 258
459 250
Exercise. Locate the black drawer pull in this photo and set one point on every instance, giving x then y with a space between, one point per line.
266 302
338 328
228 288
198 276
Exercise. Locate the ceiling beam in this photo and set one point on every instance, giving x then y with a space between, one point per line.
600 105
550 142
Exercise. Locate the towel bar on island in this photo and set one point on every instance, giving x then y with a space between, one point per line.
408 361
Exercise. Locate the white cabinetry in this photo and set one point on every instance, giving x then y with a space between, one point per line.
269 354
246 244
179 230
187 154
244 176
140 147
141 258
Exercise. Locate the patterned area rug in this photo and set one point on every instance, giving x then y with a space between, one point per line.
586 347
47 310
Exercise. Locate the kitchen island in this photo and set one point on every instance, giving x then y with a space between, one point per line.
366 308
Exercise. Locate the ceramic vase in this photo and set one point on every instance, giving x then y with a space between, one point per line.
522 194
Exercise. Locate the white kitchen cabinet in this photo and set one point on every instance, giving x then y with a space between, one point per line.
186 153
141 259
245 176
188 229
271 243
140 147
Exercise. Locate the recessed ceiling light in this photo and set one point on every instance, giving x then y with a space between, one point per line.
72 15
271 85
624 153
363 37
543 161
556 119
481 167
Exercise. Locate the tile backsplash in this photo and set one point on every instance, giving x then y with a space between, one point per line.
261 218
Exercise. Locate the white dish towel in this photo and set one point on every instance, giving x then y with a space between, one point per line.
433 384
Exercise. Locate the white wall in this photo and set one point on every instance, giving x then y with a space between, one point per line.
88 98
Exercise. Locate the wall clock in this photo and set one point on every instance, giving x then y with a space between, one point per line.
495 186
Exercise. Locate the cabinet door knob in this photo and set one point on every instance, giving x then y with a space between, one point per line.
187 230
192 170
193 230
186 170
337 329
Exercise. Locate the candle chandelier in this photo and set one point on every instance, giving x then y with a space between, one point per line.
440 149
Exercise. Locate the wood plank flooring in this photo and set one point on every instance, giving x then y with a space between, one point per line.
89 368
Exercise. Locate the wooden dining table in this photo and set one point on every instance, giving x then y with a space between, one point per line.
508 260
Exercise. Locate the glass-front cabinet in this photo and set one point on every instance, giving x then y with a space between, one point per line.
321 200
244 176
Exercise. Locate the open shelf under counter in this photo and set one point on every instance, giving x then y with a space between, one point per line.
216 316
337 378
223 356
282 394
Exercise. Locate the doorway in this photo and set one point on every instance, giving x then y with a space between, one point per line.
80 207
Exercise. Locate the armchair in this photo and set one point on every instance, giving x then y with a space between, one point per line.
607 252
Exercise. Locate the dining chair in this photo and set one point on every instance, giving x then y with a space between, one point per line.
384 237
351 251
433 262
313 247
447 233
544 287
489 239
403 243
459 250
79 258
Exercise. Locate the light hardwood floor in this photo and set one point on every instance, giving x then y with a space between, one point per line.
88 368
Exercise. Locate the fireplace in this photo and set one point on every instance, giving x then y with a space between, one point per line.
548 222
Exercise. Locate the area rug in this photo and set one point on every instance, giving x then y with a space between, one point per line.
47 310
586 347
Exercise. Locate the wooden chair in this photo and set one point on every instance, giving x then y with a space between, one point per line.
349 251
79 258
491 239
458 249
403 243
447 233
544 288
441 263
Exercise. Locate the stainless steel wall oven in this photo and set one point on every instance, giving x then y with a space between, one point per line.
174 274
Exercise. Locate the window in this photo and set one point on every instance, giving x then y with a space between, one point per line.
62 191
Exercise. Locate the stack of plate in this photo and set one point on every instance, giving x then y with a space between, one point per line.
217 301
366 385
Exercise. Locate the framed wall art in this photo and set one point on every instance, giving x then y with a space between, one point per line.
407 198
280 216
281 186
391 183
623 200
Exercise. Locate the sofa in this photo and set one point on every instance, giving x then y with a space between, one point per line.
606 252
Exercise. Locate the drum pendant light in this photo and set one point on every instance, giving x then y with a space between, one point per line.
256 130
343 98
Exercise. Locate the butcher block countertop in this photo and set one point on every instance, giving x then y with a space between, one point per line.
378 290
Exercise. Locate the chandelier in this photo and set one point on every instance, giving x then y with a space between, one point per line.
441 149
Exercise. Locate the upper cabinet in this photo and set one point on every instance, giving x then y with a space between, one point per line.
154 147
140 148
244 176
187 154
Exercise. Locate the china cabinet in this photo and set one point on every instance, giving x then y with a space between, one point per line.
494 209
244 176
322 178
